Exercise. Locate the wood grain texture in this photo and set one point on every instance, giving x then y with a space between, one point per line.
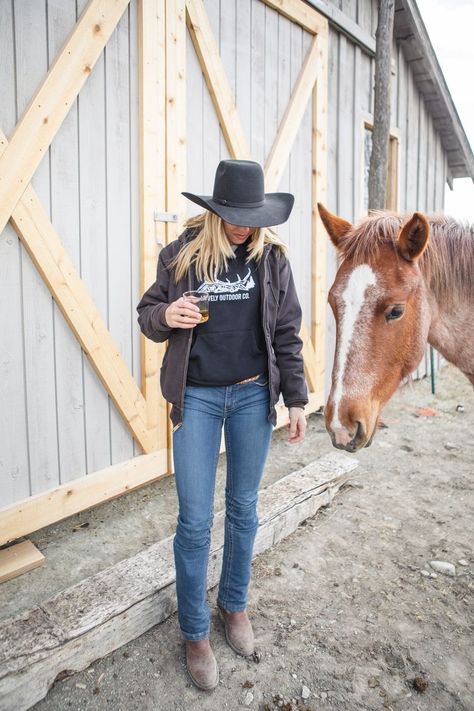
19 559
218 85
50 104
41 510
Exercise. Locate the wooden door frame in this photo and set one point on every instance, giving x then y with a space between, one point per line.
162 78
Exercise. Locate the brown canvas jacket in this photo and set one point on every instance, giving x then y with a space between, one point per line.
281 319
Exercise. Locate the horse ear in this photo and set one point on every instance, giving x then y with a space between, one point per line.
413 238
336 227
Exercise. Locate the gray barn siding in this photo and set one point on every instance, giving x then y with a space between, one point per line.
262 68
422 173
56 421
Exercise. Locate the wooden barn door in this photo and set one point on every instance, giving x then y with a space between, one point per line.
162 77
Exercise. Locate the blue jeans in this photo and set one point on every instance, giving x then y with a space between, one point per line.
243 411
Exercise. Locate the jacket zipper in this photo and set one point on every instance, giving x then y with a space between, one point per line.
186 361
265 323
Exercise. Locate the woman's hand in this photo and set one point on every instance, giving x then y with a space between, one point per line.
297 425
182 314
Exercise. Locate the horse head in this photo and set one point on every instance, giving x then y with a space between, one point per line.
381 309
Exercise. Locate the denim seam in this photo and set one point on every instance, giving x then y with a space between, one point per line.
229 476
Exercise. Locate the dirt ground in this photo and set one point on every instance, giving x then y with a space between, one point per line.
348 612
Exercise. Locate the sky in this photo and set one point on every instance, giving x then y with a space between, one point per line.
450 26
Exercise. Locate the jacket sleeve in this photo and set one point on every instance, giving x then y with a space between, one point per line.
287 343
153 304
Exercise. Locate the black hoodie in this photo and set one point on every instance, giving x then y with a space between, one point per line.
230 346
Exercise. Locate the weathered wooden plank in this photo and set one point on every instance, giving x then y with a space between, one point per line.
93 221
109 609
52 101
44 246
36 315
41 510
135 199
117 163
19 559
64 164
299 12
293 115
318 235
257 83
152 139
284 93
14 467
217 82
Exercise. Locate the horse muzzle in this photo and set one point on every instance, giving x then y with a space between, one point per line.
350 441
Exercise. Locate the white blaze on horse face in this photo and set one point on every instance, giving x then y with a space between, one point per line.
353 298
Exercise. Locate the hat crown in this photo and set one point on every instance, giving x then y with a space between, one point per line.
239 183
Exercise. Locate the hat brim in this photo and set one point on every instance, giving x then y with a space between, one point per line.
275 210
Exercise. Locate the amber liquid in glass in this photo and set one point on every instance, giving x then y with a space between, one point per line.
204 315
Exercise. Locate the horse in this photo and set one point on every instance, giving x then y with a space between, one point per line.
402 282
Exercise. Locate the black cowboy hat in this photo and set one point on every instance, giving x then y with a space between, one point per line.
239 196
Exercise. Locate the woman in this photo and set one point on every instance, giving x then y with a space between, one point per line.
227 372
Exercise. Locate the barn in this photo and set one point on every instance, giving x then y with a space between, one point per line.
109 109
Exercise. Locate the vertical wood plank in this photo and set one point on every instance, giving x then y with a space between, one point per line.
195 87
38 330
135 196
175 49
93 223
211 132
65 218
332 200
284 93
152 134
14 464
319 194
175 113
243 70
227 43
117 123
257 81
413 104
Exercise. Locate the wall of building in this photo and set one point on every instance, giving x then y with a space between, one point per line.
422 163
57 422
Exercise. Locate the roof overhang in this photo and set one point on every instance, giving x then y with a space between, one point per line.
410 32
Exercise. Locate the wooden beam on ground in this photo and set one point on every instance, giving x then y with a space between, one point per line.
290 123
299 12
103 612
318 194
41 510
50 105
19 559
152 131
207 51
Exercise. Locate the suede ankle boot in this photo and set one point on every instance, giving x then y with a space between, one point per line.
201 665
238 631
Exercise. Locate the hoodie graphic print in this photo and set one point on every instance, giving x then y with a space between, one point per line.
230 346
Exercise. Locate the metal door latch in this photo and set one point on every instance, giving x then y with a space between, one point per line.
165 216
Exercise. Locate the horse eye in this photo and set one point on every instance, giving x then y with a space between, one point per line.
394 313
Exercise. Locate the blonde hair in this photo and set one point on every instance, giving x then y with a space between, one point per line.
210 250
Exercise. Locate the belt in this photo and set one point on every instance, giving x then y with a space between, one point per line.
248 380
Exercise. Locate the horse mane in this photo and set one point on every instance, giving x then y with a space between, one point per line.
447 263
